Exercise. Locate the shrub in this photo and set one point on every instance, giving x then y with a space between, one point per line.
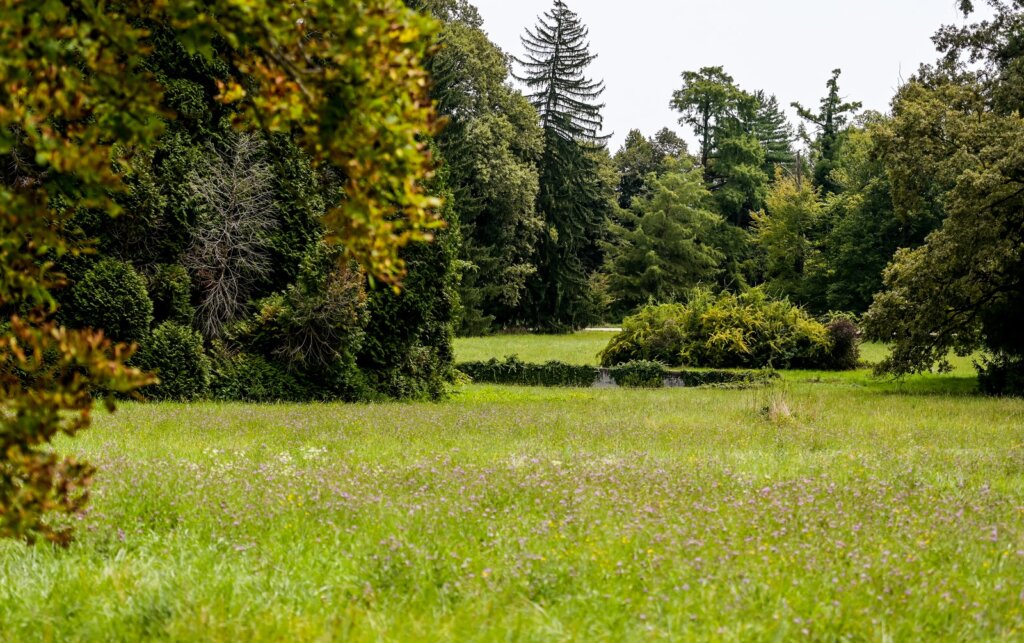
516 372
844 354
111 296
639 375
1002 375
175 354
171 291
748 330
244 377
317 322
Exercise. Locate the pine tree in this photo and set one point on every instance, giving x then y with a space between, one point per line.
576 195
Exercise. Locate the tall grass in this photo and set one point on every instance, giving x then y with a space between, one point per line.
830 509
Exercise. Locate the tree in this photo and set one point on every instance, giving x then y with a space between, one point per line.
863 229
229 254
740 183
666 250
707 98
557 53
830 120
959 131
575 195
773 131
67 135
722 117
491 146
638 157
789 232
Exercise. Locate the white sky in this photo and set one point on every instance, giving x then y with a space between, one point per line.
786 47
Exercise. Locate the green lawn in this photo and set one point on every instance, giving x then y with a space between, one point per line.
827 507
581 348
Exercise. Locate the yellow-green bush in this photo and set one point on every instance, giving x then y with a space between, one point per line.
748 330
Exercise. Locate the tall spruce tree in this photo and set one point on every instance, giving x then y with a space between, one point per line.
830 120
575 199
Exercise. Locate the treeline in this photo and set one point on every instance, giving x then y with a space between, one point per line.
226 269
910 219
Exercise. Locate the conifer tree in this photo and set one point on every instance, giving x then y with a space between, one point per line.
772 129
722 117
666 245
575 196
638 157
557 53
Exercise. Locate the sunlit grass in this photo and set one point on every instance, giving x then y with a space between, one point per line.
834 507
580 348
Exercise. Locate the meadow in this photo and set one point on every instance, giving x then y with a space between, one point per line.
826 507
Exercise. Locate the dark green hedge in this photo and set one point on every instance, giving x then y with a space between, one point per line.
640 374
516 372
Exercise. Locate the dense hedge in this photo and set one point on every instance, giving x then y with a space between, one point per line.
722 378
243 377
170 288
111 296
748 330
639 375
515 372
175 353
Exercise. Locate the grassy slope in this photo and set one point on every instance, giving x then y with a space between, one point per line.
853 506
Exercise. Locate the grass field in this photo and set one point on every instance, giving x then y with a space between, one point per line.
829 507
580 348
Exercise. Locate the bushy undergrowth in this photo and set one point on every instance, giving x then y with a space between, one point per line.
170 288
1002 376
111 296
175 353
748 330
252 378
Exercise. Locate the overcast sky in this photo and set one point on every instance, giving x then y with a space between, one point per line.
786 47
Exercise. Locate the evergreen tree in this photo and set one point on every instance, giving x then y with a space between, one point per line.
830 120
772 129
666 249
557 53
575 199
491 146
